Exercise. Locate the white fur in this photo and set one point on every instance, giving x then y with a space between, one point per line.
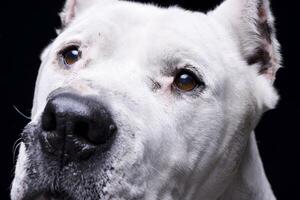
182 147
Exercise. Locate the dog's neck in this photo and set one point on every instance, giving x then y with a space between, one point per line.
250 181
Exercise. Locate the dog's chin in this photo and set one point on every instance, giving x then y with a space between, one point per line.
52 189
46 195
55 190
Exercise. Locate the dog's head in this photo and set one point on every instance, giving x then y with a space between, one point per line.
133 101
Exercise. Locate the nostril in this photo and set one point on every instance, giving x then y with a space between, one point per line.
49 121
81 129
112 128
100 133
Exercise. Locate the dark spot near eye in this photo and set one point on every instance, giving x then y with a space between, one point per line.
156 85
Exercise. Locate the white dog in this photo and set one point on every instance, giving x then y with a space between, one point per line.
133 101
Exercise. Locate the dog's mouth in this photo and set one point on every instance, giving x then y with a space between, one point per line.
52 176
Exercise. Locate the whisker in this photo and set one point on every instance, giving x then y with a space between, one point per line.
16 142
15 148
22 114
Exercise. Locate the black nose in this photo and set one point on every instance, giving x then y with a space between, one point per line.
75 125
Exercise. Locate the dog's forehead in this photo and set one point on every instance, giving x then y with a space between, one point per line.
149 33
143 25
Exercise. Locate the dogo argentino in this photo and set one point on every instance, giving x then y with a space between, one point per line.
134 101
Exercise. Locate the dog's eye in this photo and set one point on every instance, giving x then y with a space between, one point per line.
186 81
70 55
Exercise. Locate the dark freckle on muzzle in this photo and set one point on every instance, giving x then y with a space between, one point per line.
75 126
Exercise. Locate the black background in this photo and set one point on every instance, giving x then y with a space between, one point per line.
26 26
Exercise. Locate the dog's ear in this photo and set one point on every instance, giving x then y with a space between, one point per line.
73 8
252 23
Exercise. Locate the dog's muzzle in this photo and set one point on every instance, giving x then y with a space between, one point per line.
74 126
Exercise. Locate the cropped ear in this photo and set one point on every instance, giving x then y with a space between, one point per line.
252 23
73 8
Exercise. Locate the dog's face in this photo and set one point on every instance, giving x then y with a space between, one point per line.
134 101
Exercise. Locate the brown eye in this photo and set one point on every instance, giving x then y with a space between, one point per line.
70 55
186 81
